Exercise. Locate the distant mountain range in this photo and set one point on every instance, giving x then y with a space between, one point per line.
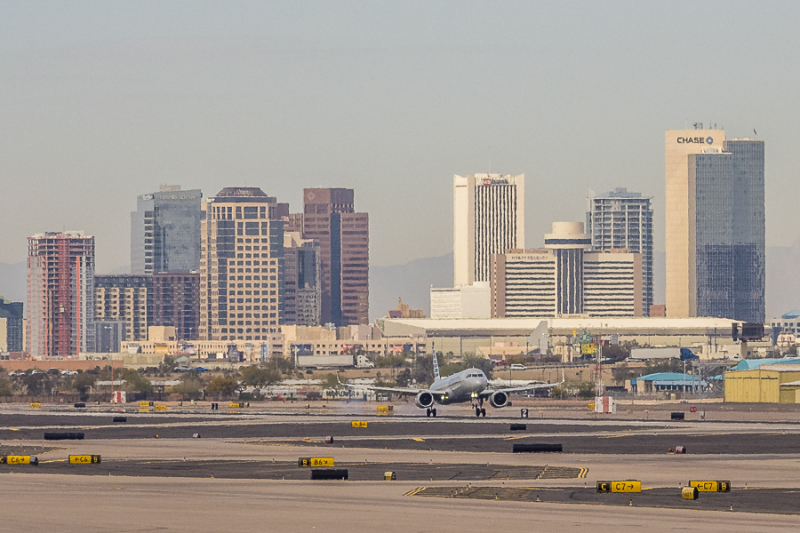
411 281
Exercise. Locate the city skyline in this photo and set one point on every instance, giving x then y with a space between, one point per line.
387 113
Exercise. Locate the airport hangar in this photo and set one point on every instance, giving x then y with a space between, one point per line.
710 338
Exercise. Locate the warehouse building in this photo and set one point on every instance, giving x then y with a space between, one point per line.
768 384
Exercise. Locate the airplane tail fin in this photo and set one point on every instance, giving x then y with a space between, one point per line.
435 365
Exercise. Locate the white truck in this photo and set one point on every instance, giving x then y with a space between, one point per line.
363 362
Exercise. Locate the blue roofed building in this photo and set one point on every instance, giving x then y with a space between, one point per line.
668 381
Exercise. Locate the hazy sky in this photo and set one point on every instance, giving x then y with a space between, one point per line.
102 101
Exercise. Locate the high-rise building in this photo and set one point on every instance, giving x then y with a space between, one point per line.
126 299
568 243
566 279
302 295
241 266
60 307
730 232
329 218
680 217
624 220
717 267
488 218
176 302
165 231
11 324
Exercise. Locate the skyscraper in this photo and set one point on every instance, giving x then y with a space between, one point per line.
730 231
241 266
680 217
718 270
568 243
165 231
60 307
622 220
302 296
329 218
11 324
489 218
127 299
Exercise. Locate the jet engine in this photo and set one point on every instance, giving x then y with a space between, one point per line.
498 399
424 400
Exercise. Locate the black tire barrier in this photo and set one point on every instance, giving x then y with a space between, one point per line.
537 448
328 440
63 436
334 473
519 427
80 404
120 419
677 416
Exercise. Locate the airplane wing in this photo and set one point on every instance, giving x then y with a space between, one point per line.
397 390
488 392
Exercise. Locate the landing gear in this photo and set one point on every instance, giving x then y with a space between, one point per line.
431 411
479 409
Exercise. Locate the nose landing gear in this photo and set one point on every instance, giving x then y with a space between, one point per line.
431 411
479 409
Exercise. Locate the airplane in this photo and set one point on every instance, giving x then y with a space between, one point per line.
468 385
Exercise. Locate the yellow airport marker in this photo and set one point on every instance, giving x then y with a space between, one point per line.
711 486
315 461
36 405
20 460
84 459
417 439
359 423
619 486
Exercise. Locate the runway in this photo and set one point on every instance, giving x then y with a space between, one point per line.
457 466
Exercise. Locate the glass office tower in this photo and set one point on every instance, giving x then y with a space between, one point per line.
165 231
730 230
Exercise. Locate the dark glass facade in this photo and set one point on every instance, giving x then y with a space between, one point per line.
730 231
165 232
176 302
13 313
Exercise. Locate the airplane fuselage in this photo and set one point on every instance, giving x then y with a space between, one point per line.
464 386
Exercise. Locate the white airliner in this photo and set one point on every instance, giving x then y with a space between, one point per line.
467 385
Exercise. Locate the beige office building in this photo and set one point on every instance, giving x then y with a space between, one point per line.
240 266
681 216
488 218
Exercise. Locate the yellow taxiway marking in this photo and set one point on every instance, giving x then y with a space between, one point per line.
417 439
583 473
515 438
14 429
53 461
414 492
